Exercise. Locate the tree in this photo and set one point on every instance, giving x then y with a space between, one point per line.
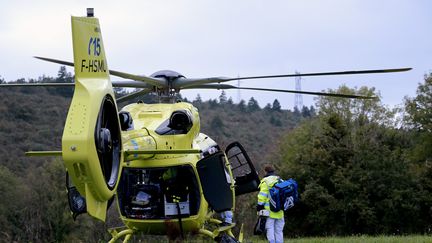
11 205
275 121
296 112
53 222
253 105
213 103
230 101
359 110
276 105
312 111
242 105
306 112
216 123
418 119
63 76
198 99
353 174
223 98
419 108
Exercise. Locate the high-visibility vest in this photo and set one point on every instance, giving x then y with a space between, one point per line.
263 196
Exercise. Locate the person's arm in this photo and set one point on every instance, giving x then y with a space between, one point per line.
262 196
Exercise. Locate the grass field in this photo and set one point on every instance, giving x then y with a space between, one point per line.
353 239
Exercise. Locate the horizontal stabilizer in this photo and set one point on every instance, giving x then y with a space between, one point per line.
43 153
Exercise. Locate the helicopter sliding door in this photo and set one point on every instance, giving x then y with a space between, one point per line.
216 182
245 175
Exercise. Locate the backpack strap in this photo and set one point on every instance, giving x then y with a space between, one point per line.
267 183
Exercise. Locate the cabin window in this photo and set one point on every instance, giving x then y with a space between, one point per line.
158 193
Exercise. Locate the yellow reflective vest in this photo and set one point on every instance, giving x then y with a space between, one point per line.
263 196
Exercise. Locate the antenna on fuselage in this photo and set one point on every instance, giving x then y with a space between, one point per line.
90 12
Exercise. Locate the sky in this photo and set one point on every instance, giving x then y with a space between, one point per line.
233 38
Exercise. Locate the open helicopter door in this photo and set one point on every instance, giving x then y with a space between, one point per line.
216 182
91 142
245 176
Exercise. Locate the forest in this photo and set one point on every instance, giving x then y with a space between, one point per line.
362 167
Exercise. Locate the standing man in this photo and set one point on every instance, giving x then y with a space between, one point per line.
275 221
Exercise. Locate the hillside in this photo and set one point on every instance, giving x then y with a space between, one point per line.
31 119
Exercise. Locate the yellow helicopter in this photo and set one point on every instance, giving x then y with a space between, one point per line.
152 158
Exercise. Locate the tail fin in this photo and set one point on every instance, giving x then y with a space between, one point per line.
91 143
89 52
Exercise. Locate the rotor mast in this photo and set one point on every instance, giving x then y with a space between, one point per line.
167 94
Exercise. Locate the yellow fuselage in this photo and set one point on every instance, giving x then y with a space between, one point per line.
147 119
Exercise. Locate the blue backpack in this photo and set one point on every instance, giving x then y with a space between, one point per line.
283 195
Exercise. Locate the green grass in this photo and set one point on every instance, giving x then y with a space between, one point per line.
352 239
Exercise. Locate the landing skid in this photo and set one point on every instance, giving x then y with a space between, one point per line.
220 234
119 232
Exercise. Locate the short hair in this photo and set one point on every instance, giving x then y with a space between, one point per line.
269 168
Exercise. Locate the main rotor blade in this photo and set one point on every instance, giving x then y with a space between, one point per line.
121 84
152 81
227 86
133 95
55 61
183 83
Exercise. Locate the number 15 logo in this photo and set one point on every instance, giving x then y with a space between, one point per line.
94 43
